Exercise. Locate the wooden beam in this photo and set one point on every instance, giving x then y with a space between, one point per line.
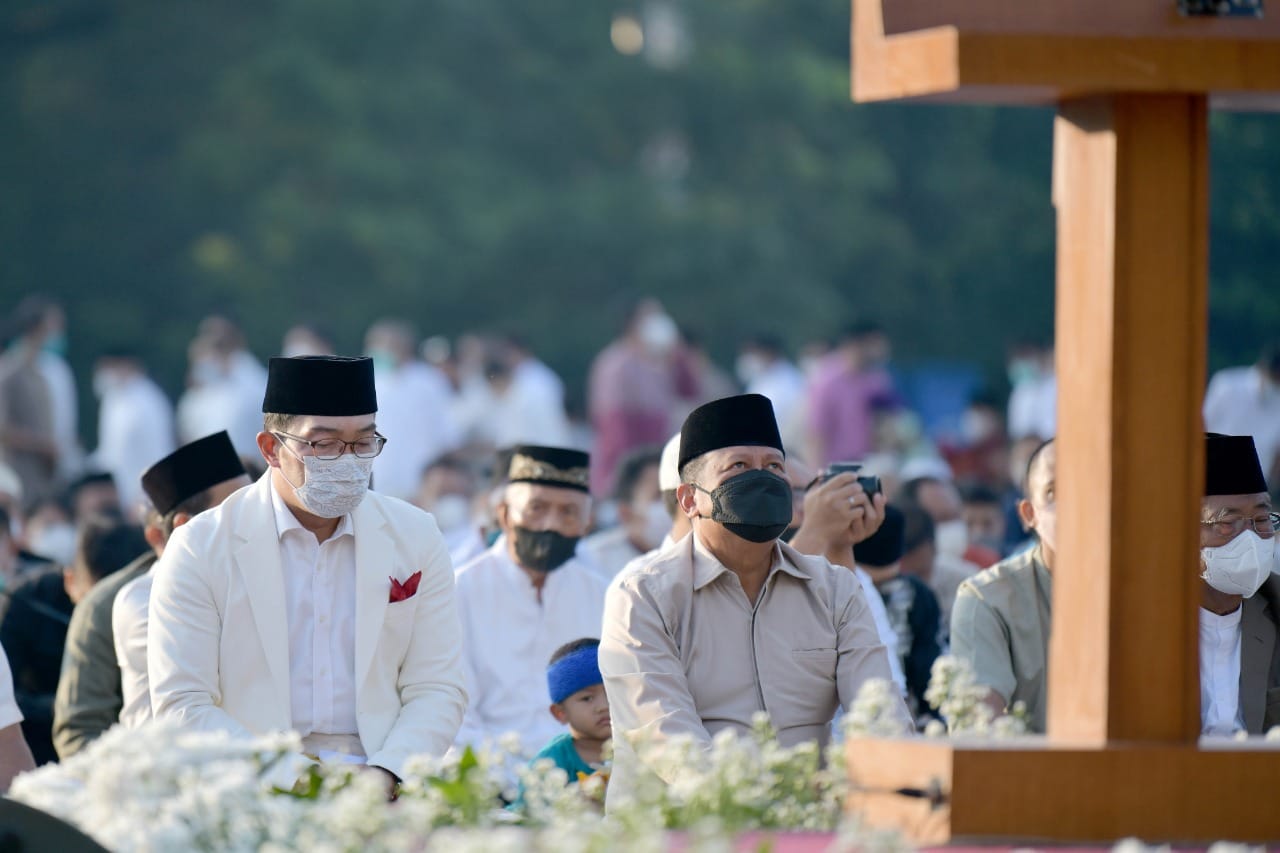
1131 191
949 63
1028 790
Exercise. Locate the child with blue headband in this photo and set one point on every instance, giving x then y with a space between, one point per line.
577 700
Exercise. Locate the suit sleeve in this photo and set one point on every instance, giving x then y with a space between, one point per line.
979 636
184 642
432 691
88 698
649 697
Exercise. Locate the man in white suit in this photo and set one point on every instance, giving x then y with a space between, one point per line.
306 602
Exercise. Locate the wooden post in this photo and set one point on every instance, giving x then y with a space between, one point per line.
1130 187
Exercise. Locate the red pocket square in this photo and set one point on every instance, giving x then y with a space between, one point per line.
401 591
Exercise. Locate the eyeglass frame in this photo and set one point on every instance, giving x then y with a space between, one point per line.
347 446
1238 525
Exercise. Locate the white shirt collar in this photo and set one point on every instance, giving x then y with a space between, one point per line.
287 521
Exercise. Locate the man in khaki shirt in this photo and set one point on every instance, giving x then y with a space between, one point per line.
1001 619
730 622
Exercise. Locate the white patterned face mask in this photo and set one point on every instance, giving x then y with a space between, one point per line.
1241 566
332 488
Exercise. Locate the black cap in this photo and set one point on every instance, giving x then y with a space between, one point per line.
189 470
729 422
549 466
886 545
1231 466
329 385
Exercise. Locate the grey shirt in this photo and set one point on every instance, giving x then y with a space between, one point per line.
1000 625
684 652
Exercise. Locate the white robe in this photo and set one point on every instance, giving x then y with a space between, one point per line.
509 637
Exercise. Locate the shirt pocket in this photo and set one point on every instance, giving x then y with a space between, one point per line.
808 691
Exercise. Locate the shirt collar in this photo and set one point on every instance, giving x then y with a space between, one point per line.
287 521
706 568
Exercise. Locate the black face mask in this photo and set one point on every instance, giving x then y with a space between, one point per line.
543 550
755 505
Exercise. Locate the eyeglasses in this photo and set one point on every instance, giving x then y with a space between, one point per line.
1263 525
332 448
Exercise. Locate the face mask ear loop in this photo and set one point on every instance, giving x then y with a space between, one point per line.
282 444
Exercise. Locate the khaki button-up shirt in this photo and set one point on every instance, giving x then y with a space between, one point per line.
684 652
1000 625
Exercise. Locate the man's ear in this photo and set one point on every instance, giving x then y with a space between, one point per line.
500 514
155 537
269 447
687 498
557 711
1027 515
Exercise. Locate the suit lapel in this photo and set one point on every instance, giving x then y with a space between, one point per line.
1257 638
375 565
257 556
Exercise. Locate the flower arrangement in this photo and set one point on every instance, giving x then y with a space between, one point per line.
163 788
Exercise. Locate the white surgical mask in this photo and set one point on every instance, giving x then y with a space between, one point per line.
657 524
1241 566
452 512
749 367
333 487
55 542
658 333
952 537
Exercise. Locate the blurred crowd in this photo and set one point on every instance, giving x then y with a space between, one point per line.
70 514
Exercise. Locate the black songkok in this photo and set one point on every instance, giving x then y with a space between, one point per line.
326 385
549 466
885 546
729 422
1231 466
189 470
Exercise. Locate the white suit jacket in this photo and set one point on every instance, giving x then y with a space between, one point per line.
218 646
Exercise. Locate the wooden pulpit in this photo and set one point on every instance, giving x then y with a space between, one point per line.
1132 81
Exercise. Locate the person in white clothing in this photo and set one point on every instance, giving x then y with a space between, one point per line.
643 521
527 596
763 368
307 602
416 409
195 477
15 755
1033 402
1246 401
135 424
1239 593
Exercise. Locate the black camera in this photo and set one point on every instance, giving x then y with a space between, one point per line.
870 485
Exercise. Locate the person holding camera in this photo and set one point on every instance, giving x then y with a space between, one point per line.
730 622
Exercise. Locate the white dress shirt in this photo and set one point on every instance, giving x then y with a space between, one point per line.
1220 673
320 598
608 551
508 637
129 633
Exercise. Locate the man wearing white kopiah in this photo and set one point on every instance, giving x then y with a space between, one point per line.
1239 594
730 622
305 601
527 596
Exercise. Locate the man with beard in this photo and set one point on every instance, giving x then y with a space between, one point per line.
730 622
527 596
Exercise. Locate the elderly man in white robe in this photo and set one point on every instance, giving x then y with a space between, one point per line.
526 596
730 622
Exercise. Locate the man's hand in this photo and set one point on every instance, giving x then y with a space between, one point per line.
837 515
391 781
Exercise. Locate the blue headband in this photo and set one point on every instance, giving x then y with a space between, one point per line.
573 672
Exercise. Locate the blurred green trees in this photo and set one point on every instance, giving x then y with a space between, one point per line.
476 164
